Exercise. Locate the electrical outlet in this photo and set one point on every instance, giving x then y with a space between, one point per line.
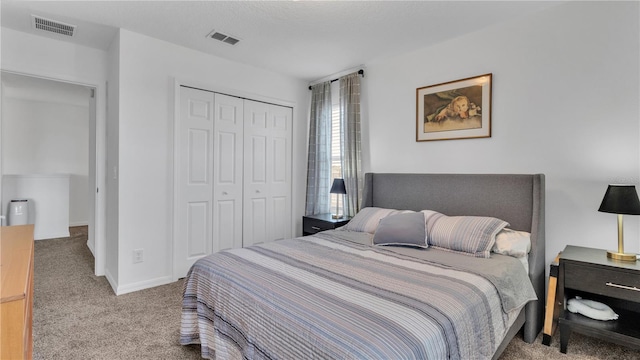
138 256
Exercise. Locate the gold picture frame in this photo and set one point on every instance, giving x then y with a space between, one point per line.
459 109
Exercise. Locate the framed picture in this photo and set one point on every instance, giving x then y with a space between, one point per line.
458 109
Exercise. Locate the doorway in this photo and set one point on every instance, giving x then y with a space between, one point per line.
49 127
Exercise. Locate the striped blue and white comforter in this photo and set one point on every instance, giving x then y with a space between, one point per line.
321 297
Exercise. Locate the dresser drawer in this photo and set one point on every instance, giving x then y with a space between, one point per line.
616 283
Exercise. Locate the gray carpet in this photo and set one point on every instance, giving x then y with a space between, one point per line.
77 316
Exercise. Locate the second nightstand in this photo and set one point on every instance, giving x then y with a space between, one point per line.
589 273
312 224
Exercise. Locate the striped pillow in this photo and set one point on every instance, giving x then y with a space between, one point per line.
367 219
469 235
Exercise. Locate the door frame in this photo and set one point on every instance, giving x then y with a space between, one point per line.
99 211
211 87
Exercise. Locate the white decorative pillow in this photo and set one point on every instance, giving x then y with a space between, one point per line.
513 243
405 229
469 235
593 309
367 219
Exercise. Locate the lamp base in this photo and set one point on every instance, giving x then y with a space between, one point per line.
335 216
621 256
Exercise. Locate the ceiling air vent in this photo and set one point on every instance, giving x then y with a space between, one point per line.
40 23
223 37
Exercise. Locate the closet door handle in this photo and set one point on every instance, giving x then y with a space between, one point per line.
257 191
224 193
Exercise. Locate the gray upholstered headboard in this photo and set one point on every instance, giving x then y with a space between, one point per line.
515 198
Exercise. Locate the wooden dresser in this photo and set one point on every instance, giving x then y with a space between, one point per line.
16 291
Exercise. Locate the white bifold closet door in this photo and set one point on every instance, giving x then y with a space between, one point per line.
233 163
267 172
194 198
227 172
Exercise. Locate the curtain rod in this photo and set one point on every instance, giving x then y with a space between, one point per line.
361 72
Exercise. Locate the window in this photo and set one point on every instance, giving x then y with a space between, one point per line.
336 158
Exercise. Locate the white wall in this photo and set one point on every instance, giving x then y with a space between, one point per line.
565 103
141 72
147 70
112 204
49 138
48 58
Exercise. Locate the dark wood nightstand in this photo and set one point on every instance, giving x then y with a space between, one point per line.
312 224
589 273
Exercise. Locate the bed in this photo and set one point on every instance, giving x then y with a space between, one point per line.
335 295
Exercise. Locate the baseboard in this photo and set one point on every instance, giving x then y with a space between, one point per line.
125 289
90 246
45 236
79 223
111 280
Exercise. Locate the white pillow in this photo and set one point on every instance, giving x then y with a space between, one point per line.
592 309
513 243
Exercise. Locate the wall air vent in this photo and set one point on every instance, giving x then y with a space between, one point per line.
223 37
40 23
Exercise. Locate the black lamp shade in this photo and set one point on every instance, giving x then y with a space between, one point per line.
338 187
621 199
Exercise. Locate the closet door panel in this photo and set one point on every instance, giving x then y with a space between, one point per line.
227 232
258 116
198 156
280 219
227 169
226 154
279 161
257 227
194 177
281 121
267 172
258 160
198 229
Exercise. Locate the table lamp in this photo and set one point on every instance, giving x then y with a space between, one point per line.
338 188
621 200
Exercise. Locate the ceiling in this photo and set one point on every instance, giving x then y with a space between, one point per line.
309 40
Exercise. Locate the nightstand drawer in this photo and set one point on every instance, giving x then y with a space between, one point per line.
312 224
598 280
316 225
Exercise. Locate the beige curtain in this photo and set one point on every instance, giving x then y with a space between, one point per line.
319 157
351 148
